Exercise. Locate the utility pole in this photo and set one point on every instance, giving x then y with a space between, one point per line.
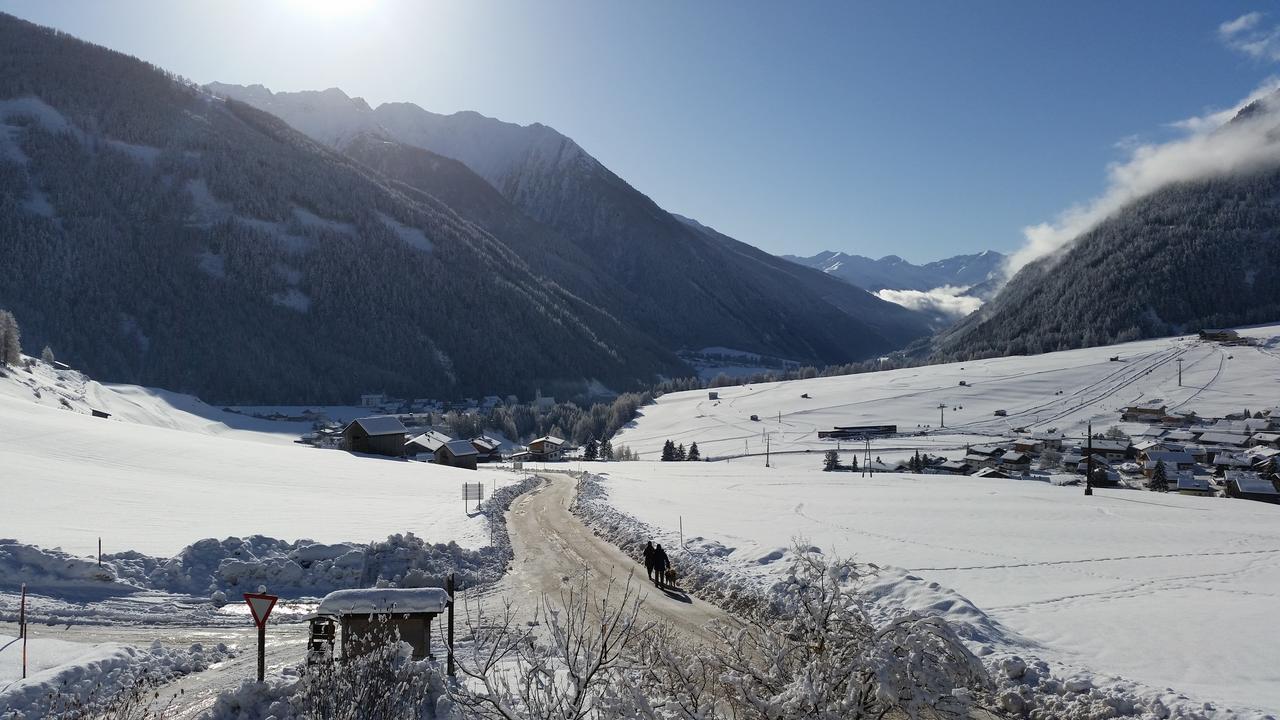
1088 473
766 450
1179 372
942 414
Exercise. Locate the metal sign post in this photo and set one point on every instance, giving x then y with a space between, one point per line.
260 605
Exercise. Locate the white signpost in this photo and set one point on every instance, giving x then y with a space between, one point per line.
472 491
260 604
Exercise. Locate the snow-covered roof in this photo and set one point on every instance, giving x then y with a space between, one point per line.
1227 460
1222 438
431 440
1169 457
1251 482
1187 481
1109 445
380 425
460 448
548 439
487 443
384 600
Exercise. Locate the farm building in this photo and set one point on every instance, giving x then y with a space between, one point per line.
1251 486
368 618
457 453
379 435
992 473
1146 412
956 467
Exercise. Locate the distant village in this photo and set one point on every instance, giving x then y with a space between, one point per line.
403 429
1177 451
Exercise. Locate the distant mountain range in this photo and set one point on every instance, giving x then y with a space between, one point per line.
160 233
893 273
579 224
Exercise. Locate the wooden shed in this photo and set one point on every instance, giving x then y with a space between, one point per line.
370 618
380 435
1249 485
457 453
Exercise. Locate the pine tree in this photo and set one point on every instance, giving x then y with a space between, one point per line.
854 465
668 451
693 453
47 355
10 339
680 454
916 465
591 451
1159 478
831 461
606 450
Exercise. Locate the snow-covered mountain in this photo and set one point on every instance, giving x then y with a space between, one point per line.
585 228
893 273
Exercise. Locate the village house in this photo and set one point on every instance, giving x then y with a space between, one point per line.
1269 439
487 448
1028 445
1049 440
1110 449
1015 462
372 400
993 473
956 467
1251 486
1146 412
1173 461
427 442
546 448
457 453
1185 482
378 435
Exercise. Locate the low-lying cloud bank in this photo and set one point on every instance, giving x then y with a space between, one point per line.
948 299
1211 146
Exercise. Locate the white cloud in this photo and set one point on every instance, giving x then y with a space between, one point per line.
947 299
1210 147
1248 21
1246 34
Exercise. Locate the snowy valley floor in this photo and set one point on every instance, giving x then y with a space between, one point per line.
1166 590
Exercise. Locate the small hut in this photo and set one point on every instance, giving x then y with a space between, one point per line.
380 435
457 453
369 618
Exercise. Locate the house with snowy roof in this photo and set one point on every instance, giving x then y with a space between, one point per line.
377 435
457 453
1249 485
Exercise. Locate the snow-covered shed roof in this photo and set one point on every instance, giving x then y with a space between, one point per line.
380 425
486 443
1169 457
548 439
1228 460
991 472
1251 482
460 448
384 600
1109 445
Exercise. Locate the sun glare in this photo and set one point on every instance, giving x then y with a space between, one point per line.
331 8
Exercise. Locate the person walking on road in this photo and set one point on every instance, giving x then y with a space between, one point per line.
660 564
648 558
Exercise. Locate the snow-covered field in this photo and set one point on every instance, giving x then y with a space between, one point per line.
1216 380
156 477
1168 591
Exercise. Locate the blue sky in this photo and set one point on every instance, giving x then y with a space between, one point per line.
918 129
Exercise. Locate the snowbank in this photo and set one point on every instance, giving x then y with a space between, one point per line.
91 676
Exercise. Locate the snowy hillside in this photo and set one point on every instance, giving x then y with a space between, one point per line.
1216 380
60 387
168 477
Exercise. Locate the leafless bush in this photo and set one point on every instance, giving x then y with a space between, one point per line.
138 700
382 684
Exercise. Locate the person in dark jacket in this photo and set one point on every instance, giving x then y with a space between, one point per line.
648 558
660 565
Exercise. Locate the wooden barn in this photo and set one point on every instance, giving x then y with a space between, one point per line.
1249 485
379 435
488 449
457 453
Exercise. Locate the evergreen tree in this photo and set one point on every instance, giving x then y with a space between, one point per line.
10 337
47 355
854 465
1159 478
831 461
668 451
591 451
606 450
916 465
680 454
693 453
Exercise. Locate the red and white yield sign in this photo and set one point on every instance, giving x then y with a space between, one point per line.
260 605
